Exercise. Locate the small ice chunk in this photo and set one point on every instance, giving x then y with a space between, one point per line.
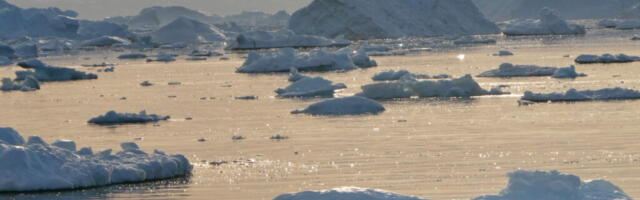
567 72
28 84
46 73
346 193
132 56
112 117
461 87
129 146
146 84
343 106
511 70
393 75
310 87
503 53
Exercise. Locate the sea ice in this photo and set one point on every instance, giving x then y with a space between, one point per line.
346 193
606 58
567 72
343 106
281 39
285 59
113 117
503 53
310 87
584 95
548 24
46 73
461 87
510 70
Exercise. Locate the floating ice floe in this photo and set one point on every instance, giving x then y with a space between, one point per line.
373 19
201 53
548 24
553 185
281 39
4 61
467 40
310 87
187 31
28 84
606 58
132 56
34 165
113 117
584 95
461 87
509 70
46 73
343 106
503 53
346 193
164 57
285 59
105 41
195 58
393 75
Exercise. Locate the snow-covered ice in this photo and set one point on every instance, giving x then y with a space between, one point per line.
281 39
584 95
37 166
105 41
346 193
606 58
511 70
285 59
553 185
373 19
46 73
310 87
461 87
28 84
548 24
187 31
113 117
353 105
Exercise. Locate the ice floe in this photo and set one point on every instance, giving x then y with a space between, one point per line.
281 39
187 31
360 57
46 73
392 75
28 84
346 193
461 87
132 56
510 70
285 59
310 87
606 58
548 24
583 95
113 117
503 53
468 40
343 106
37 166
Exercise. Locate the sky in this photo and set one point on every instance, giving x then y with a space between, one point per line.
98 9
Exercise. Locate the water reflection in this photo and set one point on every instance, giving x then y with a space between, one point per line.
166 189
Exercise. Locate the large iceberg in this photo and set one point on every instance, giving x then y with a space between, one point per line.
35 165
548 24
310 87
285 59
606 58
553 185
346 193
187 31
94 29
583 95
343 106
461 87
256 20
510 70
35 22
113 117
157 16
501 10
371 19
281 39
46 73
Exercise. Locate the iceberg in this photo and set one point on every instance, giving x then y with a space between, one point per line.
346 193
47 73
96 29
105 41
285 59
502 10
343 106
7 51
35 166
509 70
310 87
26 51
461 87
553 185
379 19
567 72
157 16
360 57
281 39
4 61
187 31
35 22
113 117
29 84
583 95
606 58
548 24
393 75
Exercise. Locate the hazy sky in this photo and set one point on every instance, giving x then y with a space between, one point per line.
96 9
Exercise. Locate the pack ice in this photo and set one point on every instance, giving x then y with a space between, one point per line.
343 106
310 87
510 70
553 185
584 95
548 24
461 87
113 117
284 59
373 19
37 166
606 58
187 31
281 39
346 193
47 73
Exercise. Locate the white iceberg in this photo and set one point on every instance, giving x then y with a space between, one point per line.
281 39
287 58
343 106
502 10
392 75
510 70
583 95
548 24
360 57
96 29
373 19
28 84
310 87
113 117
37 166
567 72
132 56
36 22
46 73
187 31
346 193
157 16
105 41
606 58
553 185
461 87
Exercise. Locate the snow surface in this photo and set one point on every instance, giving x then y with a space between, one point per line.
105 41
346 193
510 70
28 84
38 166
281 39
310 87
343 106
548 24
606 58
113 117
584 95
46 73
187 31
553 185
461 87
373 19
502 10
285 59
